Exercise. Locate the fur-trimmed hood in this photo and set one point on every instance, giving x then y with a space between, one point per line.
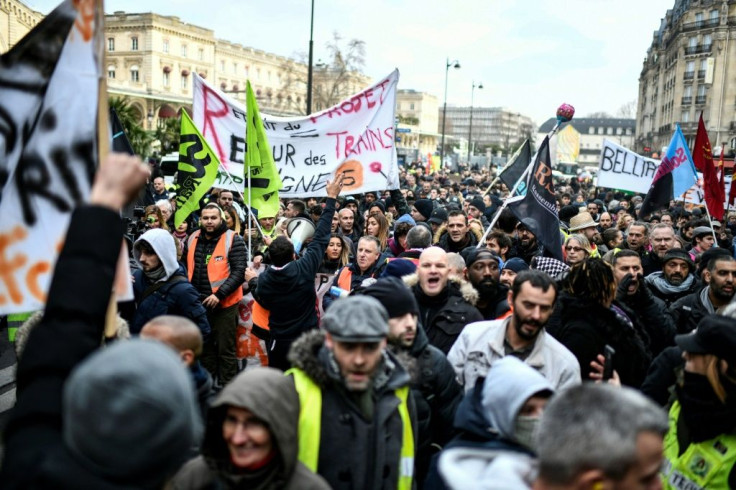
456 285
442 230
309 355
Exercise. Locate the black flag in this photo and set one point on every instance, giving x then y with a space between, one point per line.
120 142
539 204
512 172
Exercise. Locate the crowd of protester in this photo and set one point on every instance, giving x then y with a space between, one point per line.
452 350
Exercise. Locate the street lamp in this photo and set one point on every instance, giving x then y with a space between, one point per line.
309 69
470 129
448 64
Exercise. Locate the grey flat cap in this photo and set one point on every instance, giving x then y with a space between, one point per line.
356 319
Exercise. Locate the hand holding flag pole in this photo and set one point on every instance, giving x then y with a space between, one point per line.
565 113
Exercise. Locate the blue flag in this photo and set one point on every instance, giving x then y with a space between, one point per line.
674 177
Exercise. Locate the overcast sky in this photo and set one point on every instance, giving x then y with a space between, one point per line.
530 55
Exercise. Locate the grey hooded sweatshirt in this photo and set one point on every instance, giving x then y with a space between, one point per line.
510 383
271 396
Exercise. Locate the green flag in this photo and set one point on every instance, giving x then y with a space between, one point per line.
265 181
198 166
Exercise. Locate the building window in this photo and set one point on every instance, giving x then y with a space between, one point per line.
246 71
134 76
692 42
235 68
609 131
701 90
167 79
258 73
184 82
699 19
201 54
685 116
714 14
707 40
591 130
600 130
134 44
268 75
111 72
619 131
111 44
183 50
222 66
166 46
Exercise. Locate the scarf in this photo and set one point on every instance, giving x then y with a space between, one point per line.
658 280
156 275
705 299
705 416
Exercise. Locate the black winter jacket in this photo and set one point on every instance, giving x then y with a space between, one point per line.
650 315
458 310
585 328
356 453
688 311
288 292
437 395
237 259
663 374
670 298
35 455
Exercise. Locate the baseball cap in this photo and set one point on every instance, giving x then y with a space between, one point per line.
356 319
715 335
438 217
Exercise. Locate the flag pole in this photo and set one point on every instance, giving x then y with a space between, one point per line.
564 114
250 212
707 211
508 164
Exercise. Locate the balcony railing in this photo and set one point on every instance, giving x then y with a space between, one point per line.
686 101
700 99
689 75
701 74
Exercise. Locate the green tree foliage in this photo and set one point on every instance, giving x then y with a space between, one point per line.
139 138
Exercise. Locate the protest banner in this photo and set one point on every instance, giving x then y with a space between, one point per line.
355 137
48 132
621 168
695 194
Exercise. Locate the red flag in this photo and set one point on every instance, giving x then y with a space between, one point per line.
703 160
722 174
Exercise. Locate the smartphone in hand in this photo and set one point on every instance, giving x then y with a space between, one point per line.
608 353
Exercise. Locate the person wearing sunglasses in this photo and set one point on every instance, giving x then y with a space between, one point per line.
577 249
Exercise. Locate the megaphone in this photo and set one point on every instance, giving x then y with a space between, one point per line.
300 230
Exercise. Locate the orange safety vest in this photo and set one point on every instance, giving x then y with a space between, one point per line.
345 279
218 267
260 316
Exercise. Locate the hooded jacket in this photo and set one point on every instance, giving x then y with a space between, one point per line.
288 291
271 397
174 297
458 310
356 453
486 454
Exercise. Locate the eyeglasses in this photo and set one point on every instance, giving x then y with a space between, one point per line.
574 249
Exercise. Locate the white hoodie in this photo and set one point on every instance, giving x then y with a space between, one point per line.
163 244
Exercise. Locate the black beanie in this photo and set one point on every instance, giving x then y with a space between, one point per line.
378 204
478 204
425 207
568 212
394 295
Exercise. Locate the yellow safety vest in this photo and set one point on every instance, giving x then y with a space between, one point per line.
310 419
705 464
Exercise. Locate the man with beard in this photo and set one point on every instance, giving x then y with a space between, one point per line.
436 392
357 423
525 245
720 277
662 238
215 261
676 279
522 335
634 299
482 270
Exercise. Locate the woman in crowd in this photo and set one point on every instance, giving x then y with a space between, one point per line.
251 439
154 218
612 238
337 254
377 225
699 447
585 321
231 219
577 249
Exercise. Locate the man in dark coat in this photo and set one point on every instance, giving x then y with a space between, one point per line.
525 245
445 305
483 272
121 417
676 279
436 391
215 259
720 284
357 426
456 234
161 286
